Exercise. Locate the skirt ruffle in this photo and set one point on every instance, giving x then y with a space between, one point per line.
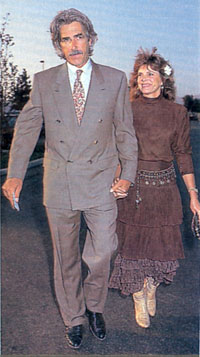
128 275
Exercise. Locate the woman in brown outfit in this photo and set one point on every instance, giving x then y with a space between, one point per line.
149 218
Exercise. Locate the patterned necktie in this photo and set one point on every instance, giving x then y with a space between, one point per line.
79 96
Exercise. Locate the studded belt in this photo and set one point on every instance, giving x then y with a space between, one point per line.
153 179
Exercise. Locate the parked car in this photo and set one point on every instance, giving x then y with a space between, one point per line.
193 116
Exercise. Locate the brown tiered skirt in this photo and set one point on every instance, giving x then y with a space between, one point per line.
149 236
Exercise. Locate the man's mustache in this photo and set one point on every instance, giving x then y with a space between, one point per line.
76 52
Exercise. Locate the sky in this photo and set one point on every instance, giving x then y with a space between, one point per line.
123 26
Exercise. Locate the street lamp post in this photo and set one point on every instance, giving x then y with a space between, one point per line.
42 61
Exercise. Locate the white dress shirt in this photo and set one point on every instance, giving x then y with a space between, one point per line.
85 76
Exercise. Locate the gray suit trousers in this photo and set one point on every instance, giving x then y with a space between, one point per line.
73 294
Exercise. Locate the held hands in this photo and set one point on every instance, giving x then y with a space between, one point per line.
120 188
12 188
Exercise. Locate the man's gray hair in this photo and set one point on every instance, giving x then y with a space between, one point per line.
66 17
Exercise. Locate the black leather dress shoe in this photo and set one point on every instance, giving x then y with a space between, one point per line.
74 336
97 324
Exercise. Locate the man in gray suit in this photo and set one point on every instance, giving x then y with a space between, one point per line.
88 132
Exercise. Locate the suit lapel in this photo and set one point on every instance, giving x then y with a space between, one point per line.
63 98
95 98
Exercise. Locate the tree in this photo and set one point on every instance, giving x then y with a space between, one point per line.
21 91
192 104
13 90
196 105
8 72
188 102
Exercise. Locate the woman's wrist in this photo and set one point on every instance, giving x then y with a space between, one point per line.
193 189
193 195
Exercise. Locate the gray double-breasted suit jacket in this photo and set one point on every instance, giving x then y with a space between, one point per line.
79 161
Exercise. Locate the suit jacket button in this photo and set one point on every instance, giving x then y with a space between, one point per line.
90 161
100 120
61 141
95 142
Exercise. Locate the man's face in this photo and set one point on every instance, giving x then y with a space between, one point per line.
75 44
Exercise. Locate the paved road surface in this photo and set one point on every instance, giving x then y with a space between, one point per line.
31 324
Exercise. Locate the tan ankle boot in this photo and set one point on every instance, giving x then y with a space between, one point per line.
151 296
141 312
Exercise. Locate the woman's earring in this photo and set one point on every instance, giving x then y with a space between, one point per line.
162 86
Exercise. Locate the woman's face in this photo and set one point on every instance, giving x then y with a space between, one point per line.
149 82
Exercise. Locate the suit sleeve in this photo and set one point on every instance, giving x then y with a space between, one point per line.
26 133
126 141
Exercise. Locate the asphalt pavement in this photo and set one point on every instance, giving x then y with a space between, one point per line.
30 319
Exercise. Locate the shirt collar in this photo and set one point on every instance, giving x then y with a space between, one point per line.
87 67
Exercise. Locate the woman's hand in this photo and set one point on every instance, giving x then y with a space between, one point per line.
194 203
120 187
189 180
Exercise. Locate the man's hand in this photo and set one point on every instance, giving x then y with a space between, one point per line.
10 186
120 188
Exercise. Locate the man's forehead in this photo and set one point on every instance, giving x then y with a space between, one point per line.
72 27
